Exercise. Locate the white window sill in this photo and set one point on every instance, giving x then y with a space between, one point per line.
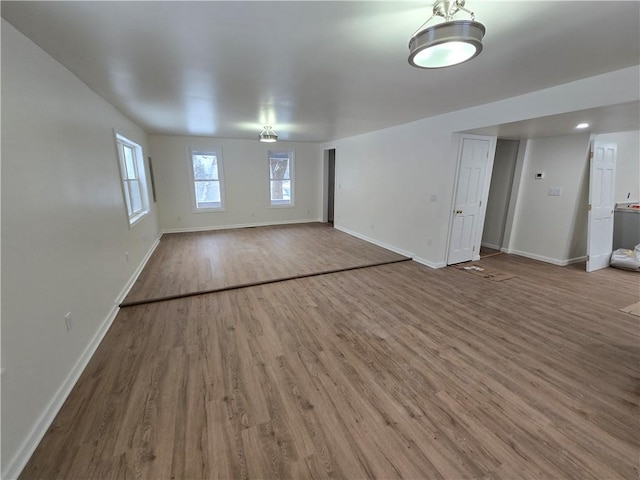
133 221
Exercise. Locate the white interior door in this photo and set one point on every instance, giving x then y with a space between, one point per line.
471 190
601 204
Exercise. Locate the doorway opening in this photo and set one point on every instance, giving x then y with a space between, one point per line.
500 189
486 252
330 181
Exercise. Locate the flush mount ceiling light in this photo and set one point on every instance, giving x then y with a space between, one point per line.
582 125
268 135
448 43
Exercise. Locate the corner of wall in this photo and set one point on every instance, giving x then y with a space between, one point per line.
429 263
577 242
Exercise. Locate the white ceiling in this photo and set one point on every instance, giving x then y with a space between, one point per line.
315 70
622 117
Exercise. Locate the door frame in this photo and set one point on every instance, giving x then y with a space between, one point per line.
485 190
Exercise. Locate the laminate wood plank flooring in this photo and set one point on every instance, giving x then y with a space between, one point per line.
395 371
185 263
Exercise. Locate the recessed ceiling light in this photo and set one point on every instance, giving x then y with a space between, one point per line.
582 125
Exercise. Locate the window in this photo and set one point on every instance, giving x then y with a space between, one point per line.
206 177
134 180
281 178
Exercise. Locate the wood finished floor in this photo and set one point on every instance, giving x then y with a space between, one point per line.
396 371
200 261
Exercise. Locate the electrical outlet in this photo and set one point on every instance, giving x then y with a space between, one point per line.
67 321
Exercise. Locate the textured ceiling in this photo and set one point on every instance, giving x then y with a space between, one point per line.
316 71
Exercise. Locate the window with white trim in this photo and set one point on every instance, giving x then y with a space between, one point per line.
134 179
207 180
280 178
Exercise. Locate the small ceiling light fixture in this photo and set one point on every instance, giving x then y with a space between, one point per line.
582 125
448 43
268 135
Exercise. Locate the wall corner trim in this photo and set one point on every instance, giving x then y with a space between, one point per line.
553 261
44 421
374 241
429 263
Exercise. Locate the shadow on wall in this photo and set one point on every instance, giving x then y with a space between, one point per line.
577 245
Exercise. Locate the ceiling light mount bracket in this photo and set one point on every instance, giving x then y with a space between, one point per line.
447 9
448 43
268 135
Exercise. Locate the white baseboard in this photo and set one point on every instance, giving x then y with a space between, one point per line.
554 261
238 225
375 242
429 263
571 261
42 424
125 290
490 245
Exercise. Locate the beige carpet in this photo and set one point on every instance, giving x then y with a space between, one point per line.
632 309
485 272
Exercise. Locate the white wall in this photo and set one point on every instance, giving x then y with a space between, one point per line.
553 228
499 192
385 180
246 183
627 164
64 235
383 186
